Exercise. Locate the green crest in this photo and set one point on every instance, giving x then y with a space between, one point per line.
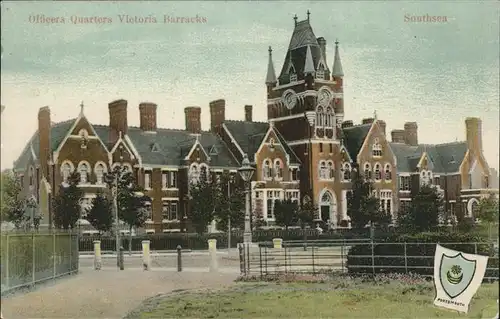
455 274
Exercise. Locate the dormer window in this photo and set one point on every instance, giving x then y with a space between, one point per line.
346 172
155 147
320 73
83 133
293 73
376 148
213 151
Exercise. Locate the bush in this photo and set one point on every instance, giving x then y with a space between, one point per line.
419 250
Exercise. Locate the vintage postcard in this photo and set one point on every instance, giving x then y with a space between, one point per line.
177 149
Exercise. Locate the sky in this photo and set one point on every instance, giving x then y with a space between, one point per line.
434 73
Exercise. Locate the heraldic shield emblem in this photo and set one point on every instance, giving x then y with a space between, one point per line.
456 274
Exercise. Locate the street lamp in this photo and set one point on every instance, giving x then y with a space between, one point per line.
246 172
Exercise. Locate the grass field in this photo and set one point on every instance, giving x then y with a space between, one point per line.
316 300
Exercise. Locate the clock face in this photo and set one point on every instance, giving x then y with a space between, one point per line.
324 96
289 99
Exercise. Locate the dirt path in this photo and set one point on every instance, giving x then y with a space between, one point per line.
105 293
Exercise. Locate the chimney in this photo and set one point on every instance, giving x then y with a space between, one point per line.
398 136
217 114
193 119
473 133
117 120
347 124
147 114
322 46
411 133
383 126
44 126
368 120
248 113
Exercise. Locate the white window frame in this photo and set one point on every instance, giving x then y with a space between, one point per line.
376 148
323 170
84 178
387 172
278 169
294 195
331 170
100 179
377 172
267 170
385 197
402 185
271 194
66 164
367 170
194 173
346 168
148 179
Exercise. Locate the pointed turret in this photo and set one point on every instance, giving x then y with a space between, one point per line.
309 65
337 65
271 75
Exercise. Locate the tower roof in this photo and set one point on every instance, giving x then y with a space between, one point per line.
337 64
271 75
302 38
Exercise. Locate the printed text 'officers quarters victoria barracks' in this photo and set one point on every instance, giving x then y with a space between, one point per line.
306 149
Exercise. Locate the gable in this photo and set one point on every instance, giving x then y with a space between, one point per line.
197 153
354 137
121 152
247 135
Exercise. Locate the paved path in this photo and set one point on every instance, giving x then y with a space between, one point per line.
107 293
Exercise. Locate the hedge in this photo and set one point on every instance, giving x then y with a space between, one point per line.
420 249
170 241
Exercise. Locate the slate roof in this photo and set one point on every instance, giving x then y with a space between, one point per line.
354 137
249 136
57 133
446 158
302 37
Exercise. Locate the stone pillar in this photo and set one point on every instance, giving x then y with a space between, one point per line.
97 255
212 250
146 256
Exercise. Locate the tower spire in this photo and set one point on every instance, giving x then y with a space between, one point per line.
81 108
271 75
309 65
295 19
308 14
337 64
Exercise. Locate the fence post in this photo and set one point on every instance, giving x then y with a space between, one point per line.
54 252
406 259
260 260
242 258
314 269
373 258
70 249
285 260
342 254
475 248
97 255
278 243
33 253
179 258
7 275
146 255
120 258
212 250
265 253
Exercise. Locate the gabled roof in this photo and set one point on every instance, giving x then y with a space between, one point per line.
354 137
57 133
249 136
446 158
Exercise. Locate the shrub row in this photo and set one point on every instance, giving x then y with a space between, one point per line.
196 242
389 253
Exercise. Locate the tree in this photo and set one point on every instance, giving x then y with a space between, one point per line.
258 215
66 203
286 213
203 193
487 211
306 213
425 210
130 198
13 203
100 213
230 205
362 206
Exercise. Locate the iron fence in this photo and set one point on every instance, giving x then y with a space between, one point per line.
355 257
30 258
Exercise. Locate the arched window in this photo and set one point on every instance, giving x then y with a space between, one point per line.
66 170
100 170
32 176
267 169
376 148
204 172
278 169
368 171
387 170
330 120
194 173
429 177
293 74
319 117
83 133
323 170
83 170
378 172
346 172
331 170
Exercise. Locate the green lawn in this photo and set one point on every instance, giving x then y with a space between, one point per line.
316 300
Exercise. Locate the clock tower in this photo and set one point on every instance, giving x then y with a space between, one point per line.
305 102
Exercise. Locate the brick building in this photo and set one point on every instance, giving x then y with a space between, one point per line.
306 149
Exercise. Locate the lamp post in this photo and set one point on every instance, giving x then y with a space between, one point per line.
246 172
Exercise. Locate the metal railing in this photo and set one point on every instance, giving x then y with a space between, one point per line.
30 258
354 257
